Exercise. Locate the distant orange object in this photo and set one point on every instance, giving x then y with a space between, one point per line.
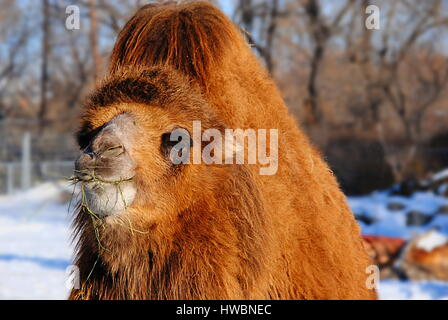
383 250
422 263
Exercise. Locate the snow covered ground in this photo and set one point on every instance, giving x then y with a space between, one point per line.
393 222
34 244
35 248
406 217
400 290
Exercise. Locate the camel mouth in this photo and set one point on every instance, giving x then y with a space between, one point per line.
83 177
89 177
103 198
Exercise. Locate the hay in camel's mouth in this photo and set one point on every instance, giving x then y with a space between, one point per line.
105 197
98 186
96 201
88 176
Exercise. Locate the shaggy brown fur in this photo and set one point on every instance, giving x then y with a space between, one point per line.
202 231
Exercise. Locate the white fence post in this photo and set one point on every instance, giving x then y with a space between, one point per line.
26 161
9 178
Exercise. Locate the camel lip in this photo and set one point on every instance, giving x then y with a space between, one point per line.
98 186
87 178
83 176
106 199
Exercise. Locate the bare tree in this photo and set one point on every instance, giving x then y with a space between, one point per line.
320 31
396 62
94 40
14 37
260 18
45 56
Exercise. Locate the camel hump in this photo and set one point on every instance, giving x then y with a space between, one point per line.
194 37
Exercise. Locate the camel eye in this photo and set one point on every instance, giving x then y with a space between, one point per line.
167 142
176 146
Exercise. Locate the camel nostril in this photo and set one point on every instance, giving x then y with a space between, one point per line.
91 155
83 166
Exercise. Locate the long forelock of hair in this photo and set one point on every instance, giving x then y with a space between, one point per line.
193 37
145 86
157 84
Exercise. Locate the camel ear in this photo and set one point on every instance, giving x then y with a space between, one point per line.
176 145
